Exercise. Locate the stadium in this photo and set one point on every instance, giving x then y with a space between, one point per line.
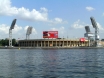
50 39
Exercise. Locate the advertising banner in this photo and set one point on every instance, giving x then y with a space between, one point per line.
50 34
82 39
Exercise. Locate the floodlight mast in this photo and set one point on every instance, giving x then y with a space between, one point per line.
86 34
87 29
10 38
94 24
29 31
10 32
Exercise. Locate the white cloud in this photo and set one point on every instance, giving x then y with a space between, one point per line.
17 29
34 31
78 24
99 26
7 9
61 30
4 29
89 8
64 32
17 32
44 9
58 20
23 13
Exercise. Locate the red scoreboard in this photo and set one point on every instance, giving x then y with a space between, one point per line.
50 34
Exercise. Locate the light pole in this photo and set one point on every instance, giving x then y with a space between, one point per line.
10 32
29 31
94 24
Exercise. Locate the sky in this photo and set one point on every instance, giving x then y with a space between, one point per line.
68 17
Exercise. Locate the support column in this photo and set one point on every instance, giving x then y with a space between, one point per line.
48 43
37 43
52 42
26 43
59 43
70 43
31 44
44 43
41 44
84 43
56 42
67 43
34 44
63 42
75 43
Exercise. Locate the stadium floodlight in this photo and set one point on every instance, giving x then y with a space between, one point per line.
88 34
29 31
87 28
94 24
13 24
10 32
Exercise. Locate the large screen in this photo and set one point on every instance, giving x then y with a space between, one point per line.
50 34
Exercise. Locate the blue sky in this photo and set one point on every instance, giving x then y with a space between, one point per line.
68 17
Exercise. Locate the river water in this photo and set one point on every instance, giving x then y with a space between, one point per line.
52 63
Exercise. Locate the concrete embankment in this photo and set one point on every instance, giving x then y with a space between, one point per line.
51 47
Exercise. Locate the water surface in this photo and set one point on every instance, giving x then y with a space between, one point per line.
52 63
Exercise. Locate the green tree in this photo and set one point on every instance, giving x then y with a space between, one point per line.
3 42
13 42
7 42
0 43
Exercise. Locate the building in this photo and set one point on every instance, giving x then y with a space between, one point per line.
53 43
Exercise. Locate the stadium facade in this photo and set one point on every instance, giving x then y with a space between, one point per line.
53 43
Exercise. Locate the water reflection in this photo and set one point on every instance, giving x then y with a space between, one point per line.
27 67
7 63
90 63
11 64
29 64
50 64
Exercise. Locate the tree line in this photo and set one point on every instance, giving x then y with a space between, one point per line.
5 42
